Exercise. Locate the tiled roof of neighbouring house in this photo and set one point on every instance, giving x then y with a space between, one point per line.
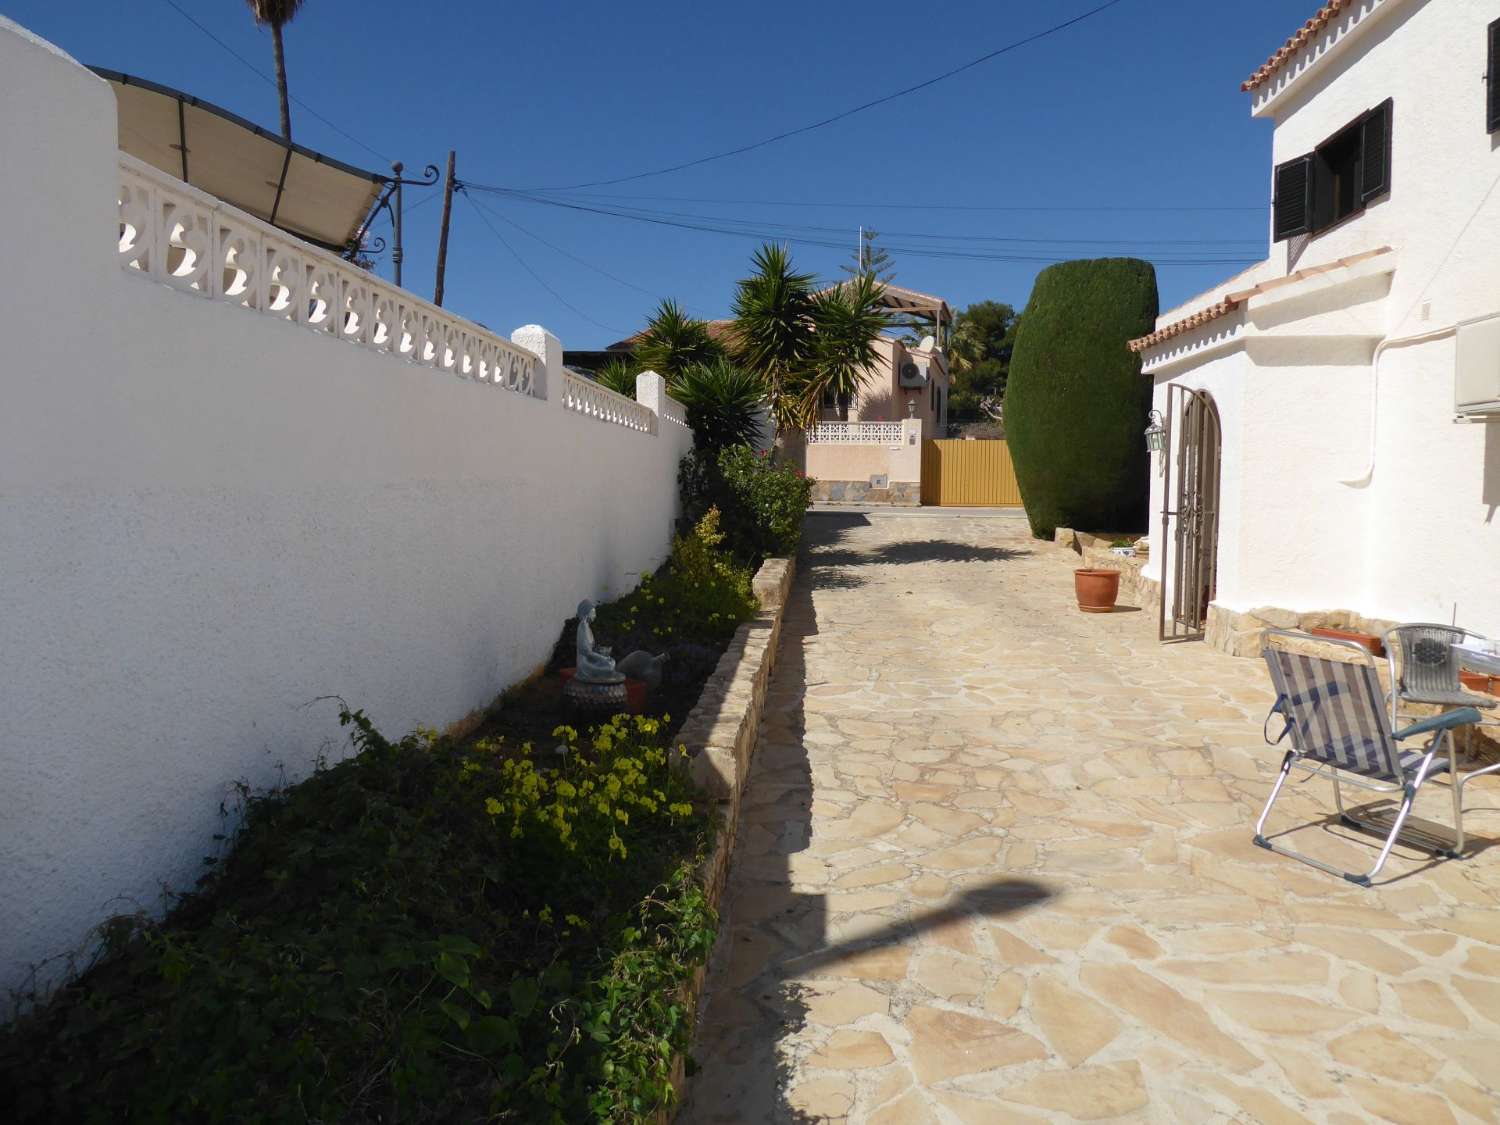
1298 40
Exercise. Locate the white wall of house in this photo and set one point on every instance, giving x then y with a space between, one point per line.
211 517
1347 481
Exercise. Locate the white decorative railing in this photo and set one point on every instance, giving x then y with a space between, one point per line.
855 433
186 238
589 398
673 411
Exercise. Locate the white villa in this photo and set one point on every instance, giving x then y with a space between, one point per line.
1333 413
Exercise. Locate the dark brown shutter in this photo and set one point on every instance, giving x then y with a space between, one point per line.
1292 206
1492 76
1375 152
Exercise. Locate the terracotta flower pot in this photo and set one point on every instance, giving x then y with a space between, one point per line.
1096 590
636 692
1480 682
1366 640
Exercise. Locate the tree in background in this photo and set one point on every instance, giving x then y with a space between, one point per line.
804 344
871 258
979 356
276 14
673 342
1076 403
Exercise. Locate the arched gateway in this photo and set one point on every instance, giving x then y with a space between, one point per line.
1190 513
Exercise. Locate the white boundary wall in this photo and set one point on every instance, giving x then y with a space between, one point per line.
209 517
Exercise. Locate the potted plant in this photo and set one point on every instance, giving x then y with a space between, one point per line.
1096 589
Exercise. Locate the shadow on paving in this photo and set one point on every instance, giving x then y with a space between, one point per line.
772 936
836 569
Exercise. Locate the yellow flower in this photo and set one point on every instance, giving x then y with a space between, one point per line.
493 807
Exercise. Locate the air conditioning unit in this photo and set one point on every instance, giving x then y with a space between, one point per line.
1476 368
913 374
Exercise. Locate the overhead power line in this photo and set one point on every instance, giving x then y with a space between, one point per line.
860 204
268 78
820 236
655 296
516 254
826 121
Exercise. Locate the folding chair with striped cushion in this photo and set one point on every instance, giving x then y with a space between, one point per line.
1334 713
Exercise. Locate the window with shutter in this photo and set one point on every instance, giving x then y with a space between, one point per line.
1492 77
1336 179
1292 206
1375 153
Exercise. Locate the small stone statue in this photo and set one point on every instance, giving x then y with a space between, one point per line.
595 665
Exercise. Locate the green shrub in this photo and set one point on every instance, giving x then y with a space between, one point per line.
762 502
702 595
1076 402
424 932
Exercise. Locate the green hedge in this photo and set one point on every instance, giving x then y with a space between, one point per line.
1076 403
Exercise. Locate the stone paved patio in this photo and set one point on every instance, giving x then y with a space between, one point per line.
996 866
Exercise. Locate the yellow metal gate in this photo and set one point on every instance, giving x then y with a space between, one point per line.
975 474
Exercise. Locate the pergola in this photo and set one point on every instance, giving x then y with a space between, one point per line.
314 197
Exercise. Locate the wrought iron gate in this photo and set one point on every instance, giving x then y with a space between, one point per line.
1190 568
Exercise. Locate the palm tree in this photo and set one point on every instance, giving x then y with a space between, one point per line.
805 344
673 342
848 319
773 327
276 14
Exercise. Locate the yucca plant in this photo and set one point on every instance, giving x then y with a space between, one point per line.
723 403
673 342
619 376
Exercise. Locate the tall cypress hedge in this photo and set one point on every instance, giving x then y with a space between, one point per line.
1076 404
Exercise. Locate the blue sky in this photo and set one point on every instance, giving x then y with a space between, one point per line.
1138 106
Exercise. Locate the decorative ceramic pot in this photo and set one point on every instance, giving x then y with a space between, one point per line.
1096 589
1364 640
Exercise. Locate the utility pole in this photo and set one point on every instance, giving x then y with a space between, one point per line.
442 254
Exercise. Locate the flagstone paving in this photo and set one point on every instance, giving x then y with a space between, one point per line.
995 865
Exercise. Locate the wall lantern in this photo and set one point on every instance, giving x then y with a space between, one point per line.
1156 433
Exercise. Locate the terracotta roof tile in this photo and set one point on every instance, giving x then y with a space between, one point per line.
1186 324
1231 301
1298 40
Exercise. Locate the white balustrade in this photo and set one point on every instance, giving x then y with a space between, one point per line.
590 399
674 411
856 433
176 234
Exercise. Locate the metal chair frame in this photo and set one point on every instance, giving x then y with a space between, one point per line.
1405 781
1396 638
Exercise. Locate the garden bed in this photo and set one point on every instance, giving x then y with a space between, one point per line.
507 921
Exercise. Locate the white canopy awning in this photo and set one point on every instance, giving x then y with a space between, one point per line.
305 193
